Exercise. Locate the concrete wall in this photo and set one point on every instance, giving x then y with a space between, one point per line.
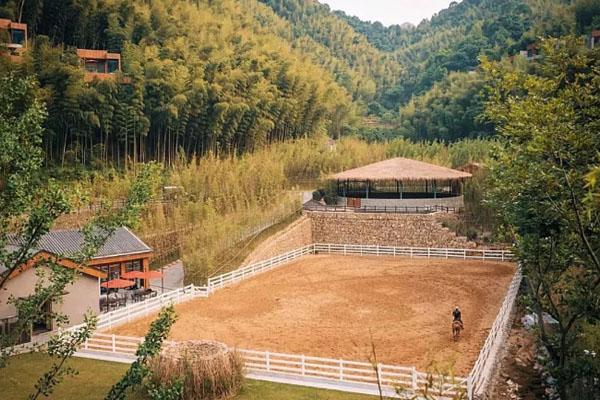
296 235
456 202
414 230
81 296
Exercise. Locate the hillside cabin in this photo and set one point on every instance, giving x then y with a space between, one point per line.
99 64
400 182
122 252
595 39
13 39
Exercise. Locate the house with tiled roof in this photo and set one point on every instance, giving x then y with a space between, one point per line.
122 252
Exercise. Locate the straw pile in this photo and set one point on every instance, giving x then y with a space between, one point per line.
208 370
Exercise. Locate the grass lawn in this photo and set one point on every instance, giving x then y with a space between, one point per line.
96 377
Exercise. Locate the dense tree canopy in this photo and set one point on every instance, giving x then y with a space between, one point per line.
203 77
544 188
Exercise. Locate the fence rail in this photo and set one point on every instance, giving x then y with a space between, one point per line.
428 252
339 371
382 209
239 274
136 310
485 363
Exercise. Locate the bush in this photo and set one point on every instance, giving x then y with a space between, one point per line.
206 370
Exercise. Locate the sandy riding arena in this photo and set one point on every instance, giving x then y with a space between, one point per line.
336 306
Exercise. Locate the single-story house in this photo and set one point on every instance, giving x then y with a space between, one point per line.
122 252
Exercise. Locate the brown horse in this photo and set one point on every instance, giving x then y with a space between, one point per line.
457 326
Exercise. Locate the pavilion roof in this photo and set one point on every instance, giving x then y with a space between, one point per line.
402 169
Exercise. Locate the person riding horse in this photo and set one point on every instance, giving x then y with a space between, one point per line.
457 315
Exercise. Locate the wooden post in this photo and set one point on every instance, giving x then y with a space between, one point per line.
146 268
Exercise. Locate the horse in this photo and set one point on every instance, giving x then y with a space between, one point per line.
457 326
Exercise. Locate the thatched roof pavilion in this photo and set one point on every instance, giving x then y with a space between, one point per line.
401 169
400 182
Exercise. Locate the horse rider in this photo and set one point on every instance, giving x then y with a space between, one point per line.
457 315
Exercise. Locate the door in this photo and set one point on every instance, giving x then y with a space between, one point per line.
353 202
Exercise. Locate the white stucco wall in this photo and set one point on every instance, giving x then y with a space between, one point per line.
81 296
446 202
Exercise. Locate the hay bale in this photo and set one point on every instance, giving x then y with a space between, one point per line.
208 370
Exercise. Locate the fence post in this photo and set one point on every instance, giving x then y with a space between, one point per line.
302 365
341 370
114 345
268 361
415 386
429 252
379 373
85 344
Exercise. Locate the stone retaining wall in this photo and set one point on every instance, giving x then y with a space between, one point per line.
296 235
411 230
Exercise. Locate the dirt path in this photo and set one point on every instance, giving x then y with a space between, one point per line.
333 306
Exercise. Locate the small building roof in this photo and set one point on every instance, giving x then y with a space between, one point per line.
8 24
97 54
401 169
68 242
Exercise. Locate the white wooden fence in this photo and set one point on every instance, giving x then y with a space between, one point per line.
136 310
143 308
488 356
341 374
427 252
240 274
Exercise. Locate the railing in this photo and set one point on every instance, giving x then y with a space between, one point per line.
383 209
413 252
142 308
342 373
484 366
240 274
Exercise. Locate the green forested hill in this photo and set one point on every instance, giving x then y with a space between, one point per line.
232 75
205 76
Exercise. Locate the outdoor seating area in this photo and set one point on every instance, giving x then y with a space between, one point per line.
117 298
125 289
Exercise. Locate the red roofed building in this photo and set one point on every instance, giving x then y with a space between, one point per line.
99 64
13 39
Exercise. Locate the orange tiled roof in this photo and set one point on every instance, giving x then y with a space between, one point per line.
8 24
97 54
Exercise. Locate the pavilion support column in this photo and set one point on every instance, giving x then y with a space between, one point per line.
434 187
146 268
368 187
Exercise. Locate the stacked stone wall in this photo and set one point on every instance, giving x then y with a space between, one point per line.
411 230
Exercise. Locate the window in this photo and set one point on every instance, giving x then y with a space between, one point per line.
17 36
113 66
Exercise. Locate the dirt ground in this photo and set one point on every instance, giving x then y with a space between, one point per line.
336 306
517 377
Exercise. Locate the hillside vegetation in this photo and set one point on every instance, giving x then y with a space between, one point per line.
232 76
